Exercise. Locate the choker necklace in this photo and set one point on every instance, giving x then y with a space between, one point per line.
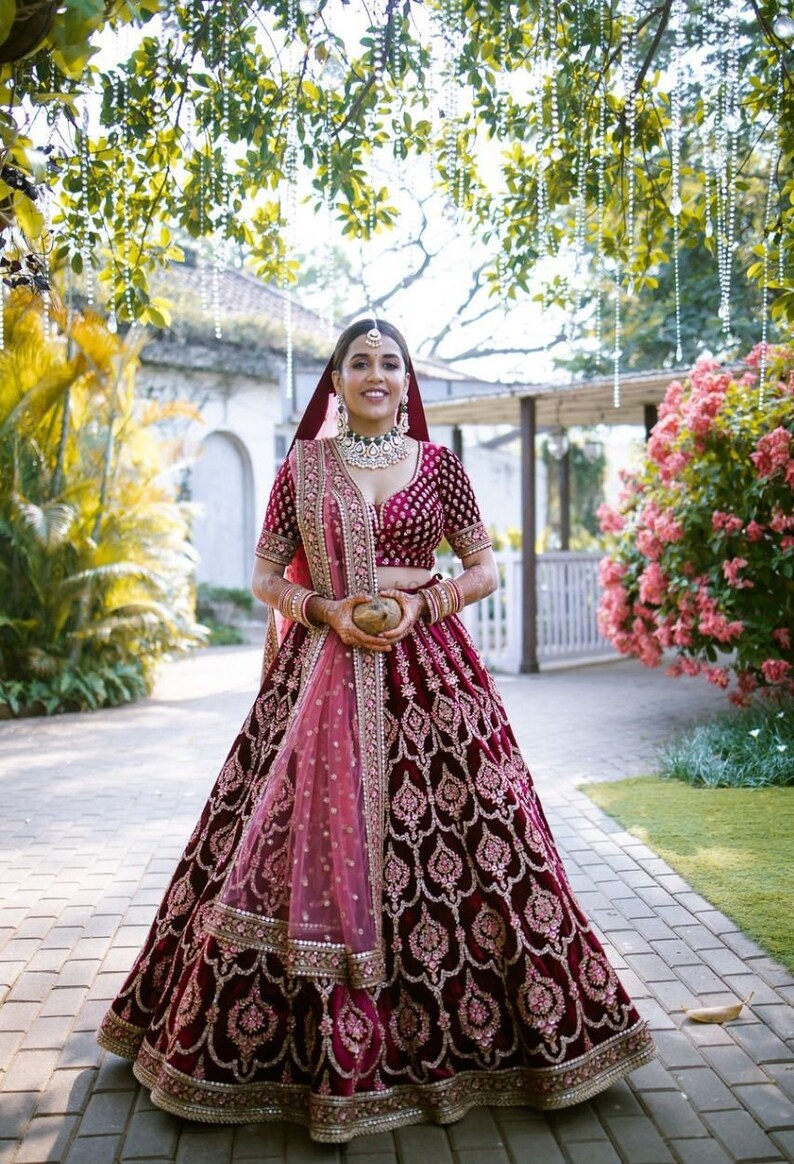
373 452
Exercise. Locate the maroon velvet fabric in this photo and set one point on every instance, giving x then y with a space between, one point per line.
496 988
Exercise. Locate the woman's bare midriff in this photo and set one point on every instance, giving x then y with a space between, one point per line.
402 577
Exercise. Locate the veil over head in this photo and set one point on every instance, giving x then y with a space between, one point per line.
319 417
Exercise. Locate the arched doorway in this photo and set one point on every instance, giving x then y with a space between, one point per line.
221 482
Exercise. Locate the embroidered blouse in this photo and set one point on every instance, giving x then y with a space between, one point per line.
437 502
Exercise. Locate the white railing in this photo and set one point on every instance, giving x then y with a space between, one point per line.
568 593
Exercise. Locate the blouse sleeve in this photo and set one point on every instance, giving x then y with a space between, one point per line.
280 536
463 526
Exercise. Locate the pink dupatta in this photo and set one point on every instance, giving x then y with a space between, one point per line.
306 881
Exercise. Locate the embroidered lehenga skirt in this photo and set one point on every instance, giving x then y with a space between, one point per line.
495 991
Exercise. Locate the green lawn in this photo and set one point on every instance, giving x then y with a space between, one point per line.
735 846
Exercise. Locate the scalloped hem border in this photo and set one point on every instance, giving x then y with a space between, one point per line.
337 1119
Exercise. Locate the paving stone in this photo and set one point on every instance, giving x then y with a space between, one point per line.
783 1075
18 1016
66 1092
48 1032
420 1144
32 987
700 1152
477 1129
151 1135
703 1086
383 1144
761 1044
82 1050
29 1071
746 984
617 1101
46 1139
638 1140
17 1110
779 1018
476 1156
697 936
700 979
205 1145
526 1140
785 1142
741 1135
592 1152
260 1142
94 1150
717 922
768 1104
63 1000
107 1113
673 1115
78 972
675 1050
734 1065
650 967
579 1122
653 1077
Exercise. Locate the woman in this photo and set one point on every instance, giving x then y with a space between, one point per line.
370 925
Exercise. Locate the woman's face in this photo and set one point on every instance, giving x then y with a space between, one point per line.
371 382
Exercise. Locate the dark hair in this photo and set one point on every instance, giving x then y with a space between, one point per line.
361 327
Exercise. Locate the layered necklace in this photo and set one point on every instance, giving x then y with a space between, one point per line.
373 452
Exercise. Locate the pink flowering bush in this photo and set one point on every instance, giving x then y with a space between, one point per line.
702 544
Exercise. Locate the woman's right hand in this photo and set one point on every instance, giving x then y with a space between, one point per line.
338 614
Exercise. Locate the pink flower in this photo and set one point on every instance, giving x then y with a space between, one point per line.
775 670
716 626
726 522
754 531
718 676
610 572
653 584
781 521
649 545
772 452
668 527
609 520
790 474
731 570
782 636
690 666
787 543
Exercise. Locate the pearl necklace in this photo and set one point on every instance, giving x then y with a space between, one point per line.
373 452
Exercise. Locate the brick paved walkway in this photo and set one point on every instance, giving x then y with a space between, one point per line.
95 810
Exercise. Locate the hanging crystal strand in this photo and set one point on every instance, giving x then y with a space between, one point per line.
600 200
124 189
329 263
220 256
774 162
732 123
453 38
617 352
630 108
677 20
578 232
85 233
291 195
503 76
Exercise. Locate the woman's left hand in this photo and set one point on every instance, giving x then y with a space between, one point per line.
412 606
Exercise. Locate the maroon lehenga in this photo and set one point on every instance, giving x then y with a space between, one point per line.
454 966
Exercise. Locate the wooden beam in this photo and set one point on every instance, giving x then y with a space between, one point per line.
529 620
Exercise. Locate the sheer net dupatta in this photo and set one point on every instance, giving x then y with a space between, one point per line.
306 879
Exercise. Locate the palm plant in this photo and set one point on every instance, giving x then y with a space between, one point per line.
96 570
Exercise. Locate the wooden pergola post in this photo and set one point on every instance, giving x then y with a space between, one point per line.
564 479
529 621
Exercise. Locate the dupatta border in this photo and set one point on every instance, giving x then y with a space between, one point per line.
318 474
